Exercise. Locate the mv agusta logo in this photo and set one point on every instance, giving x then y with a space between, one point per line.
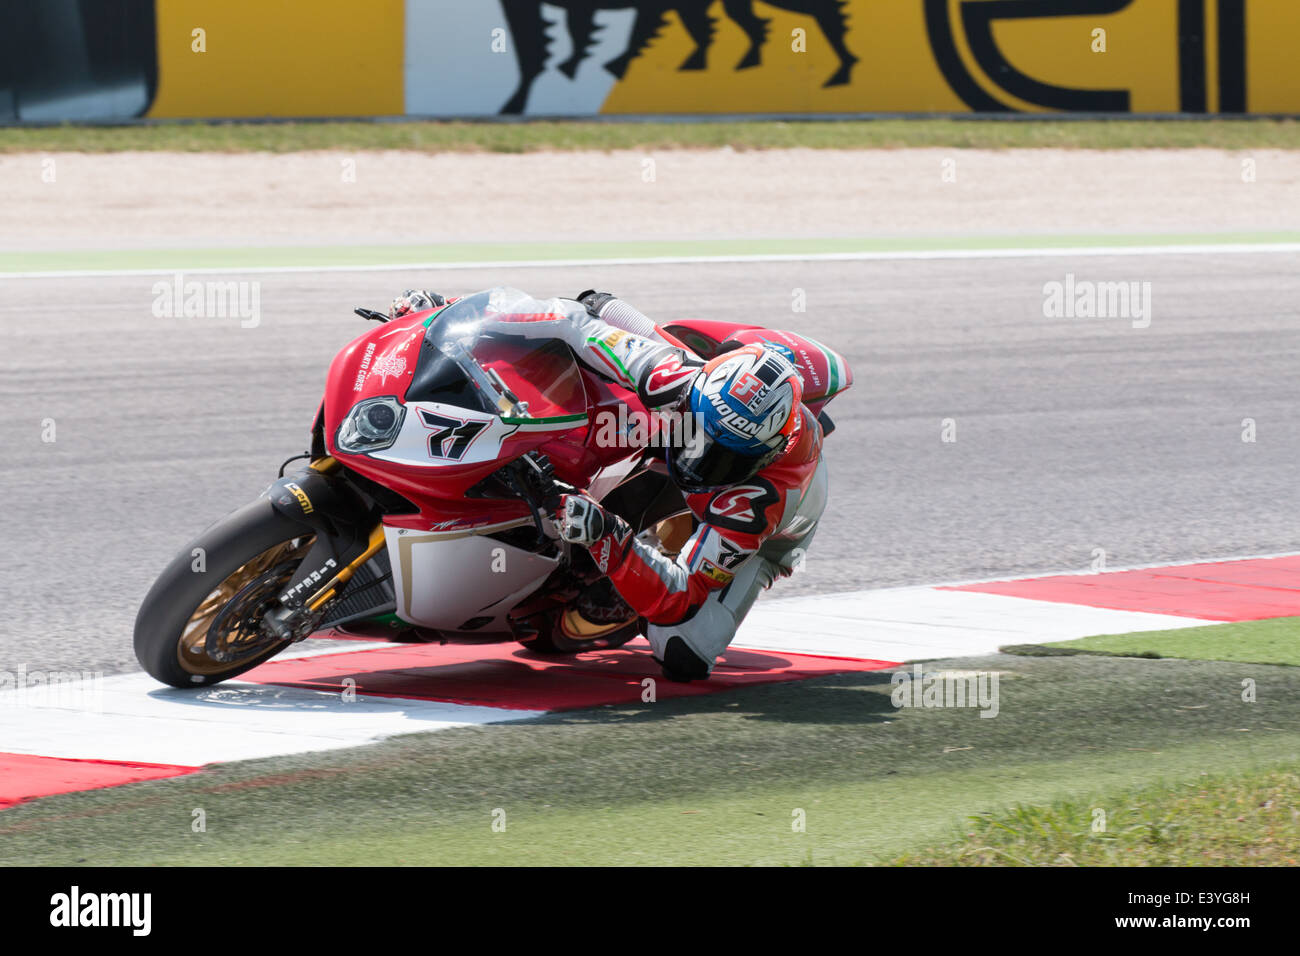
391 364
451 437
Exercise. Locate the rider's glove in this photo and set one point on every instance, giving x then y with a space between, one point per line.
595 301
583 521
414 300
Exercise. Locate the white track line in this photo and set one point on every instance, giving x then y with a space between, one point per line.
906 624
1080 572
132 717
880 255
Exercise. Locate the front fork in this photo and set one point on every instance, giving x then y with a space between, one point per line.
348 534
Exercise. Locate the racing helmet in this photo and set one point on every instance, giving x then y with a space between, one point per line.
740 414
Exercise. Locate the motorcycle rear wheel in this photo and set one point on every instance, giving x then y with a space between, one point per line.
551 639
213 594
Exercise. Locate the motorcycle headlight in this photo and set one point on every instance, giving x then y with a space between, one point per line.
371 425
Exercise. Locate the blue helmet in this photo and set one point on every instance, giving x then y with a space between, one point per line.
741 413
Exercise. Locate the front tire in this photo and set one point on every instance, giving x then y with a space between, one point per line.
212 595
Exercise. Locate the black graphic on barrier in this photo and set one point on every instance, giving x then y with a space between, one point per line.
76 60
976 23
531 43
973 19
1231 54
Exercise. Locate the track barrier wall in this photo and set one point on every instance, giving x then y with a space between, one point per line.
88 60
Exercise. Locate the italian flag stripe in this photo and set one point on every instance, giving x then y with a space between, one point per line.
608 354
834 365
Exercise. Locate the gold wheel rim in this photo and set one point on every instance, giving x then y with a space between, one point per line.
576 627
191 650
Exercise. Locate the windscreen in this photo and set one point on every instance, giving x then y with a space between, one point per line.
503 331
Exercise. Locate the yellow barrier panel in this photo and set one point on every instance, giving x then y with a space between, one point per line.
331 58
1272 42
279 58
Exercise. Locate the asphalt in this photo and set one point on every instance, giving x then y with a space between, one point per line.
1072 434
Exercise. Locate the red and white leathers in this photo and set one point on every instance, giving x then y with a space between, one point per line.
747 535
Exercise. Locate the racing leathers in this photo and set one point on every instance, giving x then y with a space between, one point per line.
745 536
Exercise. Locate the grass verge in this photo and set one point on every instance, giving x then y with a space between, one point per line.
1248 818
1272 641
361 256
522 137
717 779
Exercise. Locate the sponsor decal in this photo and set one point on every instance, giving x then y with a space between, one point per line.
783 349
389 365
464 523
527 316
742 507
303 501
600 553
310 583
733 420
715 573
364 367
451 437
603 551
730 556
798 355
749 390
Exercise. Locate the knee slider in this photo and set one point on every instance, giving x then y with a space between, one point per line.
682 664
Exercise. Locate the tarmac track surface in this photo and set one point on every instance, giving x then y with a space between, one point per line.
1071 434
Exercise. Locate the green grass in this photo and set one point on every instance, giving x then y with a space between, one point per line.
521 137
1248 818
359 256
1272 641
715 779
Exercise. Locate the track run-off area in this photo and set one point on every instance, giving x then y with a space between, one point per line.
982 440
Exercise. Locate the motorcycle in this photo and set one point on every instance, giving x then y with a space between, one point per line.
437 457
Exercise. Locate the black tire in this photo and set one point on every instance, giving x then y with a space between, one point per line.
549 639
246 537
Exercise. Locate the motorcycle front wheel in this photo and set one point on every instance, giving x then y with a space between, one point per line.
200 622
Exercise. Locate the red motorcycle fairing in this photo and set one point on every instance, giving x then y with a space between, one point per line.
825 373
563 398
703 336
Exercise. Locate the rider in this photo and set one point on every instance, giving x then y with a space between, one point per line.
751 471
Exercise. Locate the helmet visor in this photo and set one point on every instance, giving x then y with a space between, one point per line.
703 463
